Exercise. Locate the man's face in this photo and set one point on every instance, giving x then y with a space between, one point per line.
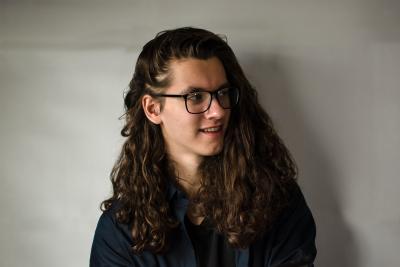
194 135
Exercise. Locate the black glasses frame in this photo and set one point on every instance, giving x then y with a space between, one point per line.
215 93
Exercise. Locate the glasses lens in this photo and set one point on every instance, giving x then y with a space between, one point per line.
228 97
198 102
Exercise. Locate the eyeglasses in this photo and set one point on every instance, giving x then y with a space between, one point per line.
200 101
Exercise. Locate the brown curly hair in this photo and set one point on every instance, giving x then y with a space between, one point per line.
243 188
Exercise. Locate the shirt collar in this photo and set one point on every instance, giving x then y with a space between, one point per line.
172 190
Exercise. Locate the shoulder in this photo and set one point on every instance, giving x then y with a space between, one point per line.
108 222
297 203
292 236
296 214
111 242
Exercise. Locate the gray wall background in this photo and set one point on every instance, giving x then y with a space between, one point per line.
328 72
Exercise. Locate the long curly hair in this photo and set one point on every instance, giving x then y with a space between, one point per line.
242 189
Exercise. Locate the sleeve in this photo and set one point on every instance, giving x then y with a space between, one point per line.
294 235
108 248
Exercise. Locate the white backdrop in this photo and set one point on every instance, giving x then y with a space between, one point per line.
328 72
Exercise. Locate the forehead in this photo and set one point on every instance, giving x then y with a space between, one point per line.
208 74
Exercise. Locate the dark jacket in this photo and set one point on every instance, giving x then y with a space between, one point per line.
290 241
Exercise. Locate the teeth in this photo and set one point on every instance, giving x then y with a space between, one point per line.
213 129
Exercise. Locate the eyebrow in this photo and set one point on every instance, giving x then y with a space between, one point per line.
191 89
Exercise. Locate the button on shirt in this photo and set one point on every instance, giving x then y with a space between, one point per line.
289 242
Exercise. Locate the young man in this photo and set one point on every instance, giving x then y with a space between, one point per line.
203 179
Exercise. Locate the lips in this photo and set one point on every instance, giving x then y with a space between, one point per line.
213 129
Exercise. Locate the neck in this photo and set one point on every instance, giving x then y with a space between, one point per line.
186 170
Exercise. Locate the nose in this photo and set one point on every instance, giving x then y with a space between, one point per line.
215 111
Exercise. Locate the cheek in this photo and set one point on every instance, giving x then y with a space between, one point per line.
179 125
176 121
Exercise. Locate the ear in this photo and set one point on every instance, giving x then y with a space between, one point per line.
152 108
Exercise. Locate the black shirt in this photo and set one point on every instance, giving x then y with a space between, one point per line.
211 248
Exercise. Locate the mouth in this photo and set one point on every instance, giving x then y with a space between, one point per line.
214 129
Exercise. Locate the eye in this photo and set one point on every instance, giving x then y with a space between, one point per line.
195 97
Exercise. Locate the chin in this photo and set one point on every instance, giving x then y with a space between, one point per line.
213 152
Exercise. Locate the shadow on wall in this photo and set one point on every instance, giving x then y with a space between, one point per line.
317 174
